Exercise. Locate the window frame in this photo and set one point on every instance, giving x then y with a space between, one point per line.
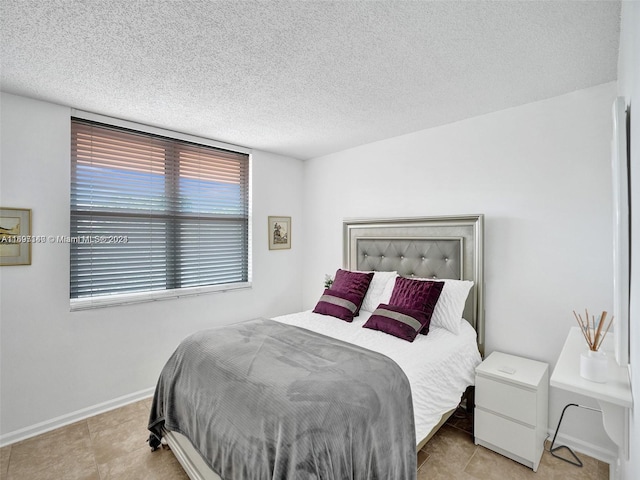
101 301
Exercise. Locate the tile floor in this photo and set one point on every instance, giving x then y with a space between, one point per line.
113 445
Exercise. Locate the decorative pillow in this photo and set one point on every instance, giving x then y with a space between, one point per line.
419 295
355 283
400 322
450 306
409 309
342 305
378 291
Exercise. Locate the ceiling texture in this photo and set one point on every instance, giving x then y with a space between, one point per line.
303 78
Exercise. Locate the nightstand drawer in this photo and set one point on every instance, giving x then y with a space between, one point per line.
505 434
508 400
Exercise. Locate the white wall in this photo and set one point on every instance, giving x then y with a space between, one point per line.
55 363
541 175
629 87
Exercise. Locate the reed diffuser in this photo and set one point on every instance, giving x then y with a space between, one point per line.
594 364
592 329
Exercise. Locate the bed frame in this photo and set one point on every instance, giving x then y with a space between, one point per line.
427 247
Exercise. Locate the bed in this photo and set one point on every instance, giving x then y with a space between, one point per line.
434 370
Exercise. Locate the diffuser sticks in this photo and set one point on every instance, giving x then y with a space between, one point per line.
592 329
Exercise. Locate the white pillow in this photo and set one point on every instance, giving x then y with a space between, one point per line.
388 290
378 292
450 305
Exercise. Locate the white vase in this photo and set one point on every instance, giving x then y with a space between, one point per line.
594 366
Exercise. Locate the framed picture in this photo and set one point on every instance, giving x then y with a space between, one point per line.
15 236
279 233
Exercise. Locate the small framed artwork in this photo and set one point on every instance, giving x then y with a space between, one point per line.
279 233
15 236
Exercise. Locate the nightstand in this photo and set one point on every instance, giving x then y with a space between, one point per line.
512 406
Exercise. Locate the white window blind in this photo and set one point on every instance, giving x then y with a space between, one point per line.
151 213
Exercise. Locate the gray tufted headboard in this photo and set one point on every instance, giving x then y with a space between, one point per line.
429 247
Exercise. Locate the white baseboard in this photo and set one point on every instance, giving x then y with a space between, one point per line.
580 446
69 418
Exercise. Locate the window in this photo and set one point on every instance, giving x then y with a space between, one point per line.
154 214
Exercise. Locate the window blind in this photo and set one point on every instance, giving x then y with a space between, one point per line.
152 213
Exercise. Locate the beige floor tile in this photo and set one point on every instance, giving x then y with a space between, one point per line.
63 453
485 463
440 469
451 443
422 457
560 470
81 466
115 441
449 451
134 411
5 453
147 402
139 465
462 421
603 470
113 445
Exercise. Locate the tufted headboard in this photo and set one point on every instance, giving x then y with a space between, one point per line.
428 247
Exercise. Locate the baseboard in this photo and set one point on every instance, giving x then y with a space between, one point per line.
586 448
69 418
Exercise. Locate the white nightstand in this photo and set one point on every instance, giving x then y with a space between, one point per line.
511 407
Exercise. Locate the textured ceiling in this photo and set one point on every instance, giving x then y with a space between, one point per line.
303 78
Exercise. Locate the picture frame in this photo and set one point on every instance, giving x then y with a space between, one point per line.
279 233
15 236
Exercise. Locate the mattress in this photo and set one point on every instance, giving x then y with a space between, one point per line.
439 366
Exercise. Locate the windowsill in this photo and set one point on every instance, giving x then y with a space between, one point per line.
89 303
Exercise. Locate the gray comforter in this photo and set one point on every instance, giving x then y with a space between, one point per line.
265 400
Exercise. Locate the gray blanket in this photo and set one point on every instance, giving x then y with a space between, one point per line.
264 400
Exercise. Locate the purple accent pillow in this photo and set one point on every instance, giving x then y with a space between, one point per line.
355 283
342 305
400 322
421 295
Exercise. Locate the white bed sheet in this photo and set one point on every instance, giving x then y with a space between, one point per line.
439 365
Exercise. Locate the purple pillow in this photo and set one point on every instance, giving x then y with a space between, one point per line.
338 304
421 295
355 283
400 322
